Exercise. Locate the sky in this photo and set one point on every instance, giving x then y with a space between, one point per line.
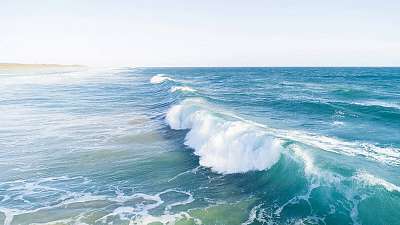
201 33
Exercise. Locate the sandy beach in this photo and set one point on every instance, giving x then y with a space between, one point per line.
23 67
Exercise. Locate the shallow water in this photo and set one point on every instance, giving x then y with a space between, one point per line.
200 146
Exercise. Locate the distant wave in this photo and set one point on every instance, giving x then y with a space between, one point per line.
379 103
160 78
182 88
226 145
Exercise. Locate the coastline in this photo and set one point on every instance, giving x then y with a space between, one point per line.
21 66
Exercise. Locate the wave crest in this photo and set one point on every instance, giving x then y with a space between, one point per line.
372 180
182 88
226 145
160 78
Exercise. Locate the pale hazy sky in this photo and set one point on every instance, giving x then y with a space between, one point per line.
201 33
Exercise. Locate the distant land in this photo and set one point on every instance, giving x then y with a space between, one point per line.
20 66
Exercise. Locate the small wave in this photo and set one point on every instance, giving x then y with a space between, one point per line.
160 78
182 88
384 104
226 145
316 174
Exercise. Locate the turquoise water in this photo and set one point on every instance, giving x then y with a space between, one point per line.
200 146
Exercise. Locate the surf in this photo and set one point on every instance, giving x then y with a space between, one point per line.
160 78
226 145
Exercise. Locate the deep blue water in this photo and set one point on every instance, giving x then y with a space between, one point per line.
200 146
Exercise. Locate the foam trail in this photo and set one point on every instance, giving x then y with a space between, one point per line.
182 88
252 215
160 78
371 180
388 155
379 103
226 145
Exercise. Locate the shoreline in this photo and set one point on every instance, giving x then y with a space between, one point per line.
22 66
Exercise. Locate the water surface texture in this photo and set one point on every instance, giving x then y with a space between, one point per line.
200 146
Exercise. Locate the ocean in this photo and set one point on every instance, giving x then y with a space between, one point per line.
200 146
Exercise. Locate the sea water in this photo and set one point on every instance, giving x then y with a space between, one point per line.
200 146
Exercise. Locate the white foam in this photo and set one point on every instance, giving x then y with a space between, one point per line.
9 214
338 123
140 213
188 200
125 211
387 155
309 167
194 171
226 145
160 78
214 138
252 215
163 219
182 88
376 181
385 104
316 174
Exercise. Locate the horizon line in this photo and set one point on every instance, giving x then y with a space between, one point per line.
188 66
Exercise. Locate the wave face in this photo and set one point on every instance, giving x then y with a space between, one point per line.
223 145
200 146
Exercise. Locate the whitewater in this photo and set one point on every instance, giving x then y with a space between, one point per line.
200 146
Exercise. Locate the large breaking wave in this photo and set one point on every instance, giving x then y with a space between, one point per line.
227 143
224 144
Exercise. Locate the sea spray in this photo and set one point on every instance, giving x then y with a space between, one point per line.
224 145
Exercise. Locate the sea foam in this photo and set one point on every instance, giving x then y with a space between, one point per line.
387 155
224 144
160 78
372 180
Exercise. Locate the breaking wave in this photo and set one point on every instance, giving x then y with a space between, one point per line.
229 144
384 104
386 155
372 180
160 78
182 88
224 144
